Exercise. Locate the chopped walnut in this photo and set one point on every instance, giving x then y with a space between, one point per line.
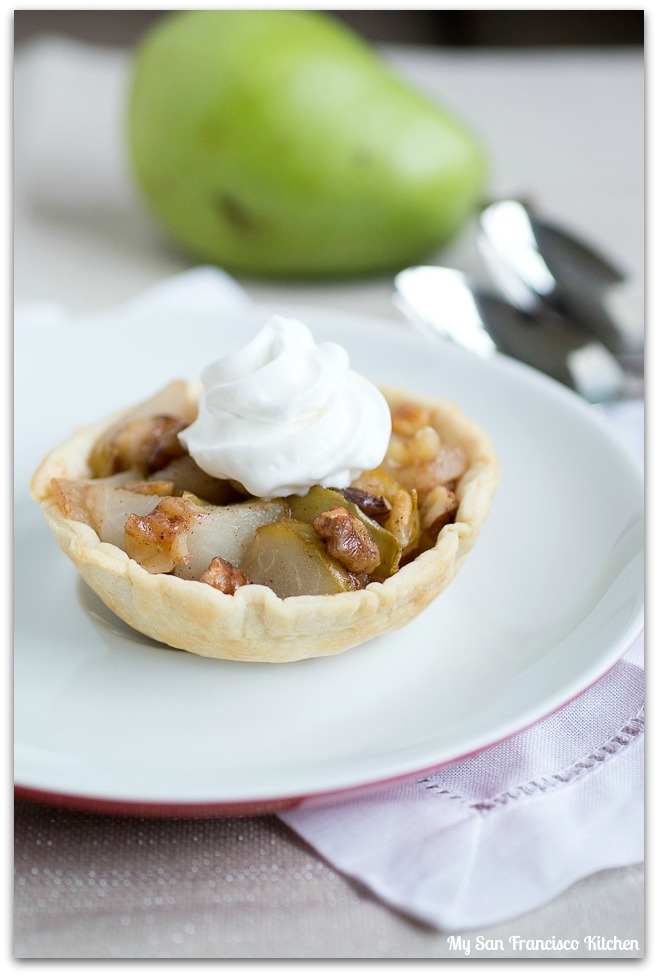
409 417
158 541
163 445
374 506
448 465
420 447
146 444
348 540
223 575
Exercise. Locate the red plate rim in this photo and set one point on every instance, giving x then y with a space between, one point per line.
254 808
229 808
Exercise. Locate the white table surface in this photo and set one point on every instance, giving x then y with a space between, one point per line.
565 127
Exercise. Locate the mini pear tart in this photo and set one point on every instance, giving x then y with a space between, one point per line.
193 562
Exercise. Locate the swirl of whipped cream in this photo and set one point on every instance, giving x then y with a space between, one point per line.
283 414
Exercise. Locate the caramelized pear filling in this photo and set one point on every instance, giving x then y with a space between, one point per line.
148 496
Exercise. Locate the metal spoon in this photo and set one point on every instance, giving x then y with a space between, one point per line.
535 263
444 302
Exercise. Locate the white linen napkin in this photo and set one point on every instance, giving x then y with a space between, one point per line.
498 834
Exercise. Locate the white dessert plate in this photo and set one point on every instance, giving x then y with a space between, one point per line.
548 600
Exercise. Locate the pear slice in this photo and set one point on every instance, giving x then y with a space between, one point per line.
109 508
289 557
319 500
188 476
227 531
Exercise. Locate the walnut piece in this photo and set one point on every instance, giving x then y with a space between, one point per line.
347 540
158 541
146 444
446 468
223 575
409 417
417 448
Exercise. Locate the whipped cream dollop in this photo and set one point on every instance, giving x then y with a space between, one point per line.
283 414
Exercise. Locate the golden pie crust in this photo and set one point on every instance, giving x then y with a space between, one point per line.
254 624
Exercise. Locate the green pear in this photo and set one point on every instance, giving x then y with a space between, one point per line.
276 142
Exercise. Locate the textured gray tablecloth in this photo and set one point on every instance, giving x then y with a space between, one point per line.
565 127
245 888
